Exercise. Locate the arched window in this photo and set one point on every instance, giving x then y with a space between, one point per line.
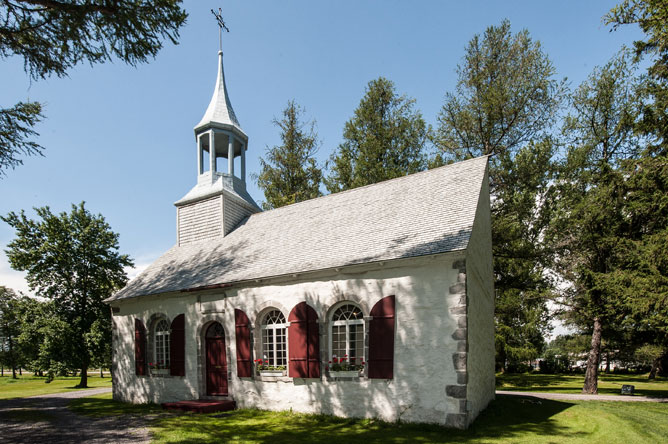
347 333
161 344
274 338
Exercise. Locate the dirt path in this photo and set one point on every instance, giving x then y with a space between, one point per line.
581 397
46 419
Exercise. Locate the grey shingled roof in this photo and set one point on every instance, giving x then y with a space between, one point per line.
425 213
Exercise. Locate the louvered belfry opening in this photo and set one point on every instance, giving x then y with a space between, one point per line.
177 346
242 332
381 340
140 348
303 342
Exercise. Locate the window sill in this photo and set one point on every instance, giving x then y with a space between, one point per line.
344 375
272 373
159 373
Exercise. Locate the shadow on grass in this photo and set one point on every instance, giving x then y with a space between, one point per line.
101 406
505 418
609 384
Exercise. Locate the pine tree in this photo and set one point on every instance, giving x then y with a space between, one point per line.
646 268
54 36
504 106
592 226
384 139
290 172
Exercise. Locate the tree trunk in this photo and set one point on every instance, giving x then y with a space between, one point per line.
20 370
101 373
657 366
11 357
591 375
84 378
607 362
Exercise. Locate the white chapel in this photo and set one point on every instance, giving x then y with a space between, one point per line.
374 302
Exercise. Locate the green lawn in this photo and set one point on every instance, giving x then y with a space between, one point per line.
507 420
28 385
607 384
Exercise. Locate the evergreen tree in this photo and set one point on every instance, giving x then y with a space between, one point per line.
72 259
290 174
591 224
505 103
54 36
646 268
506 96
384 139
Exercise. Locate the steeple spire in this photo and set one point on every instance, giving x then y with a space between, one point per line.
220 109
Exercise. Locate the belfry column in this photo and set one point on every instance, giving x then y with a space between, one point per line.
212 152
199 155
243 163
230 156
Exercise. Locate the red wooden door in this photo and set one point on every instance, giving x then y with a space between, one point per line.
216 361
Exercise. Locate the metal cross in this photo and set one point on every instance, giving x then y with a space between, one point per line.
221 25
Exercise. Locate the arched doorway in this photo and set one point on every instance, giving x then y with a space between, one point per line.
216 361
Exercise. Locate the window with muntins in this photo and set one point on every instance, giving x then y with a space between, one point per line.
348 334
161 336
274 339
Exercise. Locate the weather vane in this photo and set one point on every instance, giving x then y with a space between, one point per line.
221 25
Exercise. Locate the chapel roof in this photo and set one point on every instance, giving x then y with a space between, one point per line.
420 214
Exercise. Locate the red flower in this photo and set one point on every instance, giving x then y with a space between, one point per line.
330 362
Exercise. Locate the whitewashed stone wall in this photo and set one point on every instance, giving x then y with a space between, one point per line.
480 311
426 320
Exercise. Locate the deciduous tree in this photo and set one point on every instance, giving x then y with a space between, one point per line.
10 328
73 259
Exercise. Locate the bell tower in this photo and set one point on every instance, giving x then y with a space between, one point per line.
219 201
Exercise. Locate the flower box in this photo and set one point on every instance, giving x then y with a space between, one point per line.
345 374
160 371
272 372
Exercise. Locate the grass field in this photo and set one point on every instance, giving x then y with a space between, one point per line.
507 420
28 385
607 384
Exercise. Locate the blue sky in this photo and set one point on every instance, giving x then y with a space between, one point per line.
121 138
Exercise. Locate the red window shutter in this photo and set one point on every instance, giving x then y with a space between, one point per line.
304 342
381 339
140 348
242 332
177 346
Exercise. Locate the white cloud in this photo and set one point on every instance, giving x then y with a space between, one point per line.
11 278
16 279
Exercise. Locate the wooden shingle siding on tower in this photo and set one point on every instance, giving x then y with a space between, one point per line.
234 212
200 220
